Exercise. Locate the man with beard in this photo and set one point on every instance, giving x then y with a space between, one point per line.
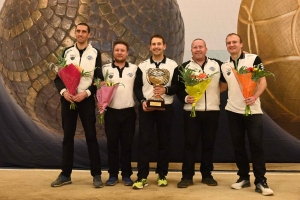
148 118
120 115
88 58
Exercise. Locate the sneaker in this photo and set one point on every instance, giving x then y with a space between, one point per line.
61 180
97 181
184 183
161 180
112 181
140 183
240 183
209 181
127 181
263 188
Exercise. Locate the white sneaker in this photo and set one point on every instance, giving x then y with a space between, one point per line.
263 188
240 183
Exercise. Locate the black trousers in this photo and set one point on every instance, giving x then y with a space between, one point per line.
119 129
203 126
86 111
239 125
163 122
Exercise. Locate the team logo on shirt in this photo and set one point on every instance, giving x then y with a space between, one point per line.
228 72
130 75
111 75
212 68
72 57
89 57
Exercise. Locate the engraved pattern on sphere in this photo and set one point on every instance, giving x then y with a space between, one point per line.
271 29
33 32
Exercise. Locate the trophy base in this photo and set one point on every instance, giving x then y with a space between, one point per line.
155 104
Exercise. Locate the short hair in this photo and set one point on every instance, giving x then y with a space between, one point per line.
231 34
198 39
121 42
84 24
157 36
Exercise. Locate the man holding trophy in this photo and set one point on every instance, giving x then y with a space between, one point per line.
155 84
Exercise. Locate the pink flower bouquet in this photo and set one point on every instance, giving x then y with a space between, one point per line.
105 93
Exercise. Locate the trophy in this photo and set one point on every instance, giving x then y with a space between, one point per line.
157 77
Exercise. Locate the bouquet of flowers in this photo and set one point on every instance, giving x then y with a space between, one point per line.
105 93
70 75
247 78
196 83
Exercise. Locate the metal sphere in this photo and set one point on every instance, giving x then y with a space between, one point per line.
271 29
34 31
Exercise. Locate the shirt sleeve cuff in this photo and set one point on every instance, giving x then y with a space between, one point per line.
185 99
88 92
167 90
62 91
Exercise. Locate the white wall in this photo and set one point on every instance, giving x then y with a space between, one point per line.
210 20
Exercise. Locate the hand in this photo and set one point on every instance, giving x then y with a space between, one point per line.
159 90
80 96
99 106
190 99
68 96
250 101
145 107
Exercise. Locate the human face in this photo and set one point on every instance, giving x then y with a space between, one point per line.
199 50
82 34
157 47
234 45
120 53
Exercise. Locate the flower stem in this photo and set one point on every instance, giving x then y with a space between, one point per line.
248 110
73 106
193 111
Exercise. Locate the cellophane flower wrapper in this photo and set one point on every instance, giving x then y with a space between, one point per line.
197 92
104 96
247 86
70 76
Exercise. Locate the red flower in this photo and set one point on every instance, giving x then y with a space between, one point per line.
250 69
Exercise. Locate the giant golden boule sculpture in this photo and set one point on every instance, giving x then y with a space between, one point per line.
271 29
34 31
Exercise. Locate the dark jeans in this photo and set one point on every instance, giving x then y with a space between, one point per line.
119 129
239 125
163 122
203 126
86 111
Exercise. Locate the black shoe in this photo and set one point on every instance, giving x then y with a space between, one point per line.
209 181
127 181
61 180
263 188
112 181
184 183
97 181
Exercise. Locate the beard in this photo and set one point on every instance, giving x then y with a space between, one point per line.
120 60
